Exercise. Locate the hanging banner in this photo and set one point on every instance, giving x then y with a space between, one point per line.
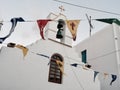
95 74
74 64
72 26
14 23
109 20
105 75
42 24
60 65
24 49
43 55
12 45
114 77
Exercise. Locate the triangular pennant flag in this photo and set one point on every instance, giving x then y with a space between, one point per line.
60 65
43 55
114 77
105 75
42 24
75 64
14 23
24 49
72 26
85 68
109 20
95 74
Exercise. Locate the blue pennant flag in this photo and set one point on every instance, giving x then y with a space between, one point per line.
114 77
14 23
75 64
43 55
95 74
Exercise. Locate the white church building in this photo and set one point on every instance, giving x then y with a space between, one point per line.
54 64
49 64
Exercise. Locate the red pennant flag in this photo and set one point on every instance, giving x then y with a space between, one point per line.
42 24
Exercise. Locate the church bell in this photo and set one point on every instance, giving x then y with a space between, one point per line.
60 27
59 34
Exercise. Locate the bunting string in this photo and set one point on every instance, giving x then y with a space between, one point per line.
105 20
72 25
42 24
60 64
41 55
114 77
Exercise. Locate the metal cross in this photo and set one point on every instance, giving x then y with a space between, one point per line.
61 8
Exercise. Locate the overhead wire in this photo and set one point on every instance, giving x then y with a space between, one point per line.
92 59
93 9
77 79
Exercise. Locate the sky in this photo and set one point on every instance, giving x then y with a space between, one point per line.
27 32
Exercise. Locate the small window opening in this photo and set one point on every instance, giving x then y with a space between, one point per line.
84 56
55 72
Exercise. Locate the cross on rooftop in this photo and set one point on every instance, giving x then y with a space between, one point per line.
61 8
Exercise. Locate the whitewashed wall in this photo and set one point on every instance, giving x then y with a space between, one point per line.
101 54
31 72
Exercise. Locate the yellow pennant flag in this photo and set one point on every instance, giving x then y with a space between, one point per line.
60 65
72 26
105 75
24 49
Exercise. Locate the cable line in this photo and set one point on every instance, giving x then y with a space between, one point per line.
92 59
98 10
77 79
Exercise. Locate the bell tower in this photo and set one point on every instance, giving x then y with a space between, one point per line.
61 26
57 30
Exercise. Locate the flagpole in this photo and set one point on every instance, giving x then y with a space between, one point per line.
90 25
